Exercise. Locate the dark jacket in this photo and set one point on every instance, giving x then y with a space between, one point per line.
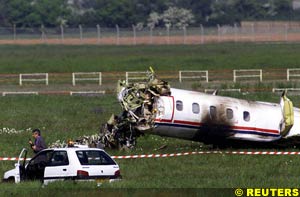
39 144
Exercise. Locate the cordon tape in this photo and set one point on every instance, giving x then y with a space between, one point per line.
184 154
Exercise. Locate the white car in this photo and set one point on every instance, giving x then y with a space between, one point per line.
65 164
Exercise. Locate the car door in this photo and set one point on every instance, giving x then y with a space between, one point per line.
36 166
58 166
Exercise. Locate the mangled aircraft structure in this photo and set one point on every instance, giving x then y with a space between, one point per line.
139 104
155 108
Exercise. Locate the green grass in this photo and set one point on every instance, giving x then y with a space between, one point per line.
53 59
65 117
59 117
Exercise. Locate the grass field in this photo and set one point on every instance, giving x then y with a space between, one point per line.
65 117
53 59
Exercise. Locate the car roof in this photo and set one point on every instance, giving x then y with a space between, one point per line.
73 149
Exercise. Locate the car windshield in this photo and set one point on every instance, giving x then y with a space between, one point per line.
94 157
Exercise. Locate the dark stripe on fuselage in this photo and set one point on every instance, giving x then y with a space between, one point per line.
205 128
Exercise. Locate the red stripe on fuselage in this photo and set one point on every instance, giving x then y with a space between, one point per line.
256 129
232 127
187 122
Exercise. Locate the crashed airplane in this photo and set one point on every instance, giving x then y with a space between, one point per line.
155 108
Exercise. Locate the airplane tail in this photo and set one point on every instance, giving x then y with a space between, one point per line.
288 115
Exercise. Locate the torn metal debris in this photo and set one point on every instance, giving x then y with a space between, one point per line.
137 101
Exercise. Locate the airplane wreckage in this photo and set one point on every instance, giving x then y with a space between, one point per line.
155 108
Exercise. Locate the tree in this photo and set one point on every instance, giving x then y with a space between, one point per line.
200 9
111 12
108 13
284 9
48 12
153 20
172 17
15 12
250 10
224 12
177 17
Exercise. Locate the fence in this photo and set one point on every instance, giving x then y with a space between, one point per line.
246 75
193 74
280 90
62 81
34 77
19 93
223 90
292 73
135 76
240 74
89 76
247 32
86 93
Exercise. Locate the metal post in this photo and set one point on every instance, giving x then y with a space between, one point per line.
47 79
235 32
219 32
202 33
80 33
288 74
286 32
118 35
180 80
260 75
15 32
98 34
134 34
127 78
269 32
62 33
100 78
184 34
73 79
234 76
253 32
43 33
168 33
20 79
151 35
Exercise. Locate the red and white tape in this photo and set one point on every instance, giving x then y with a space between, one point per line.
206 152
185 154
12 159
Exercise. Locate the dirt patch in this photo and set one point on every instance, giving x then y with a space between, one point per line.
161 40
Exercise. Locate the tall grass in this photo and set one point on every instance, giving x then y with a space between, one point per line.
53 59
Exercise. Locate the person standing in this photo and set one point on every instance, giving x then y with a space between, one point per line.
39 143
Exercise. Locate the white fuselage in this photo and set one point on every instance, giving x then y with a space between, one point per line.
199 116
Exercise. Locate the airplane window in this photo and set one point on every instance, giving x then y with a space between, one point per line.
195 108
229 113
246 116
179 105
213 112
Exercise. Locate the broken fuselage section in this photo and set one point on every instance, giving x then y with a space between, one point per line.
153 107
138 101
